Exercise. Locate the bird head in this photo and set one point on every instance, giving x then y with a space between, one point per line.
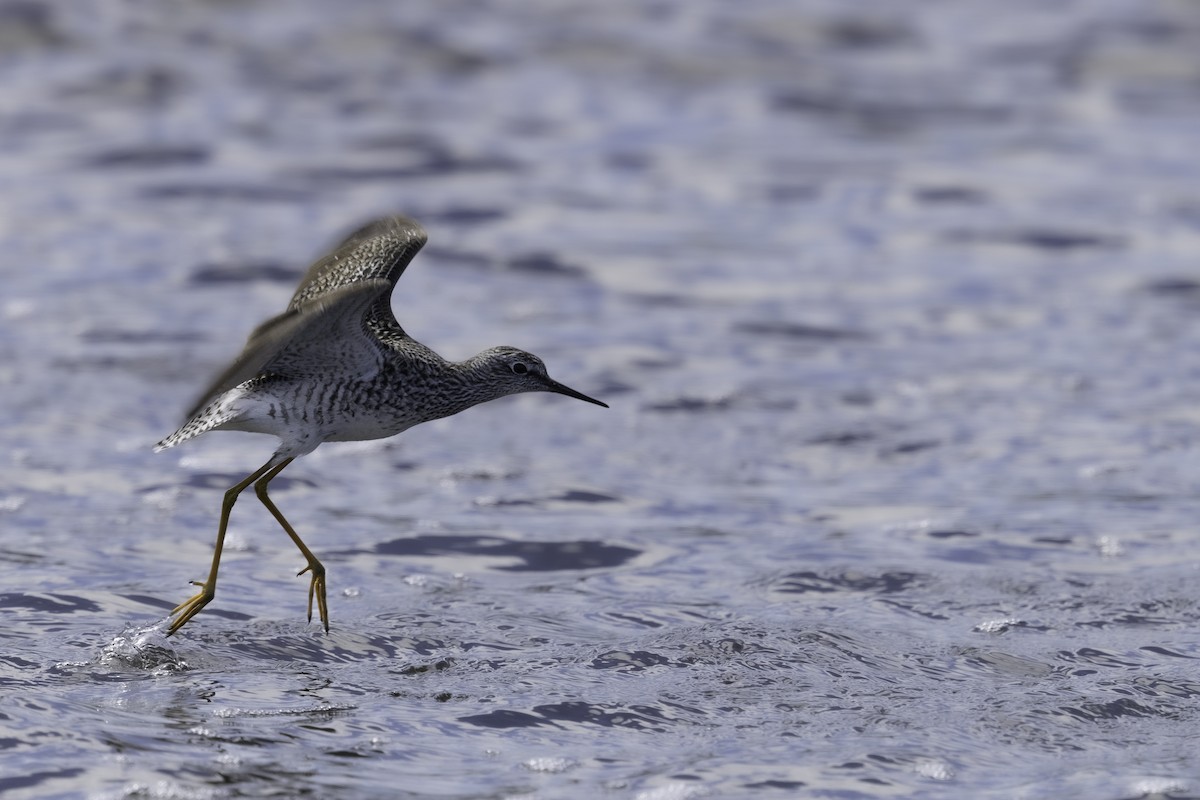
514 371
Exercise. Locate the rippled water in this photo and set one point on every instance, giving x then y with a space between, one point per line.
895 304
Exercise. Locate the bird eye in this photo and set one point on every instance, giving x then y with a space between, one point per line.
519 368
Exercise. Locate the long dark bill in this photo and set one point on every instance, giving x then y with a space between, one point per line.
555 386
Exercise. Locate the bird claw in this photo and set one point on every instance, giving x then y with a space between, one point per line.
191 607
316 588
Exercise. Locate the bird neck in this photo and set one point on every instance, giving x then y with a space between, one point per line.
478 380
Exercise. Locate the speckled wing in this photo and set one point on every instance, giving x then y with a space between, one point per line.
379 250
334 320
327 336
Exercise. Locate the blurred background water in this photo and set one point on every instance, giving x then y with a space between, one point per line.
895 304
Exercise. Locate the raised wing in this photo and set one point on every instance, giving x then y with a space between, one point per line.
338 313
379 250
327 336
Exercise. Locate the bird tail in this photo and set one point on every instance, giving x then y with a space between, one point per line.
212 416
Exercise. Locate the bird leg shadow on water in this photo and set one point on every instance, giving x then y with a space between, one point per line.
261 477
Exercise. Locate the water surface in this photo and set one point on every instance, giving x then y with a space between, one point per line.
895 305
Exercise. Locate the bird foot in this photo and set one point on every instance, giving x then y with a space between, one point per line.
316 588
191 607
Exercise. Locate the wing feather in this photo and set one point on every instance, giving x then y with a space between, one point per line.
327 335
379 250
342 306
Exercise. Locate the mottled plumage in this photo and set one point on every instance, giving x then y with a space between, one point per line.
337 366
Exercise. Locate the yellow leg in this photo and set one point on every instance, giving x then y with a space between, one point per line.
191 607
317 585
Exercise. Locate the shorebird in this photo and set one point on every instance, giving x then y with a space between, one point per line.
335 367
